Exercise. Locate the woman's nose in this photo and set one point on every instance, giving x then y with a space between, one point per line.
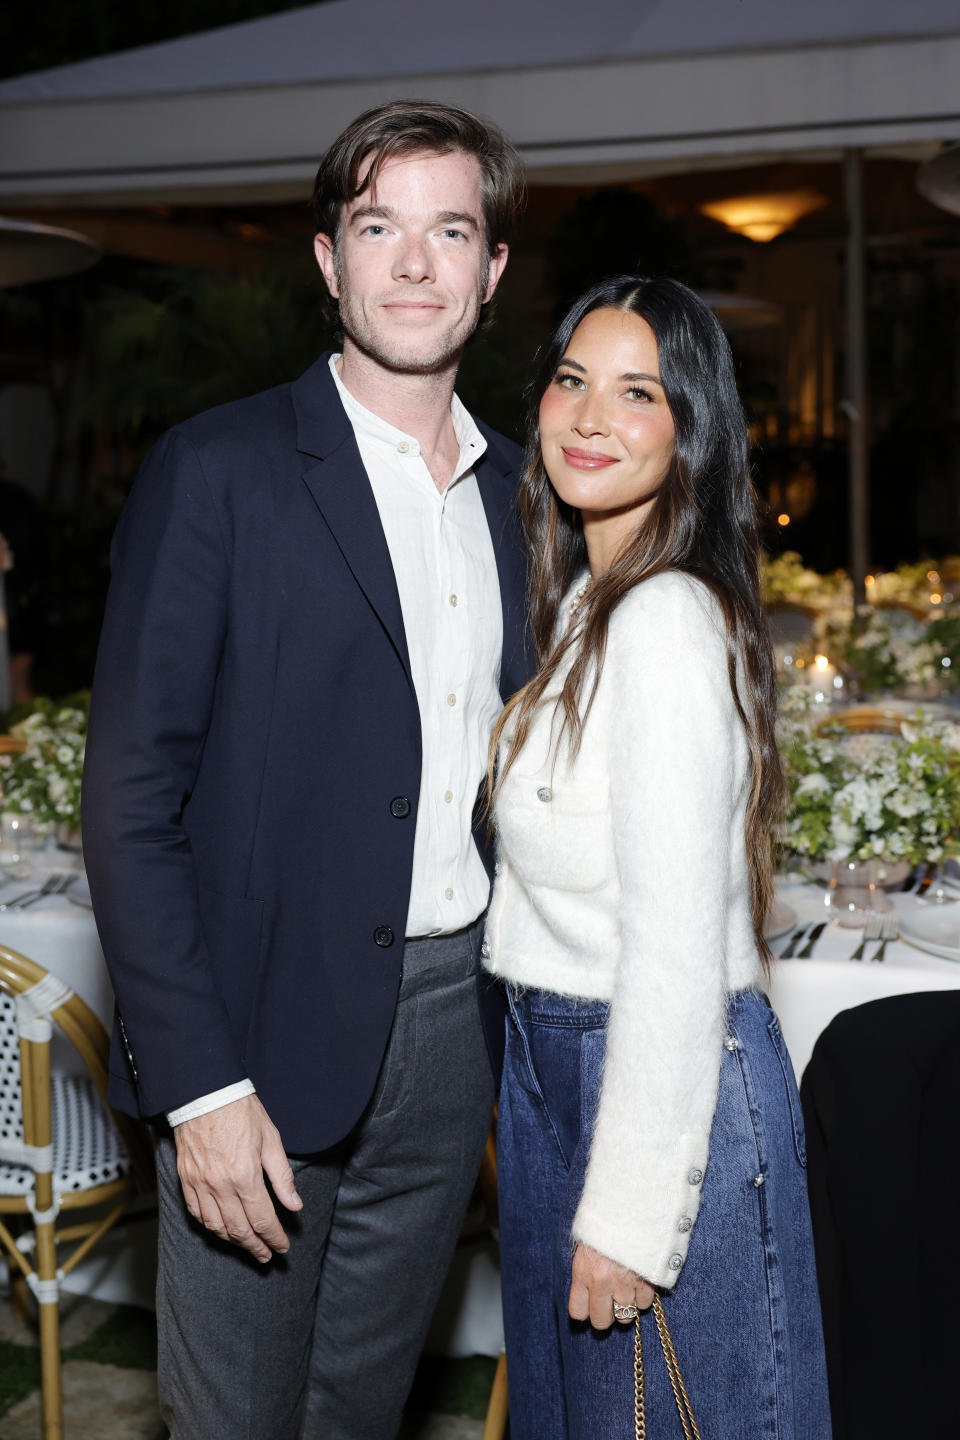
590 418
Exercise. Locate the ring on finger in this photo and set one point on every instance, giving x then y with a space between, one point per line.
625 1312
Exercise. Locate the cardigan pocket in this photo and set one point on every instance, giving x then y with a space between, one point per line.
556 837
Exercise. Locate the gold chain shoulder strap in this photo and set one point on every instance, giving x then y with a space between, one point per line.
684 1408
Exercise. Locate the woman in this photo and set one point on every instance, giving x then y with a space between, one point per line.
650 1134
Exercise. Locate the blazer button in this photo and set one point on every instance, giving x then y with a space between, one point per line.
400 807
383 935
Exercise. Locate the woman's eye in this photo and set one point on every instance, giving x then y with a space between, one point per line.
637 393
569 382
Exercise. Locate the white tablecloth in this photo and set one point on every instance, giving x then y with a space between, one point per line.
806 994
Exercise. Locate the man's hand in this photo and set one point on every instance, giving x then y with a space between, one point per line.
221 1159
597 1282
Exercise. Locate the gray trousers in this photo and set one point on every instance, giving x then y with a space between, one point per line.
322 1343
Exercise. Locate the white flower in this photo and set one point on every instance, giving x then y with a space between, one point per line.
815 784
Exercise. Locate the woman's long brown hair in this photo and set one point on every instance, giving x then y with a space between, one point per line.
703 522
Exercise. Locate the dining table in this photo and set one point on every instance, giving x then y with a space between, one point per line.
808 992
58 932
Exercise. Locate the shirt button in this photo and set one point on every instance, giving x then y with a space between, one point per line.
400 807
675 1262
453 601
403 446
732 1043
685 1224
383 936
451 698
447 797
448 893
759 1180
498 868
545 794
694 1177
485 949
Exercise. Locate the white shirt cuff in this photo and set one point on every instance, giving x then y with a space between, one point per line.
214 1101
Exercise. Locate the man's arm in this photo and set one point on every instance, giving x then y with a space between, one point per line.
157 667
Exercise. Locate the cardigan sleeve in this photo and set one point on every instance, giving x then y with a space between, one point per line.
673 740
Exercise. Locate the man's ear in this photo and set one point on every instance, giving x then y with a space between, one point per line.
323 248
498 261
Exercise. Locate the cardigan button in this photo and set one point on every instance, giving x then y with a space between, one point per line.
695 1177
675 1262
485 949
685 1224
545 794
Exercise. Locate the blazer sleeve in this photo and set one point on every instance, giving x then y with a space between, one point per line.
672 739
156 673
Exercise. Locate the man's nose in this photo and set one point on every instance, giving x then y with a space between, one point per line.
413 260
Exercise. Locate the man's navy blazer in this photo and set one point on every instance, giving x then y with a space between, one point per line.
253 765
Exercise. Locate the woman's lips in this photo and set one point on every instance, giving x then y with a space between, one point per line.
587 459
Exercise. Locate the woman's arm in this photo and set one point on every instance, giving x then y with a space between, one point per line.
676 764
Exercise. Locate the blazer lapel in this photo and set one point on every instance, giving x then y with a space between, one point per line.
341 489
497 482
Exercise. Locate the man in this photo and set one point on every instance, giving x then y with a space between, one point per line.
315 614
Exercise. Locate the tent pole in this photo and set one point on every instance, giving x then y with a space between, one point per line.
855 404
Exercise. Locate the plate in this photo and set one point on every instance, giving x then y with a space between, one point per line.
781 919
935 929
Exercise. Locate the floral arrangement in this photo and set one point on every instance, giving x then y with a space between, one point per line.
786 580
888 651
869 797
43 780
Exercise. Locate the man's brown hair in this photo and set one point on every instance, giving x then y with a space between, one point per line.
407 127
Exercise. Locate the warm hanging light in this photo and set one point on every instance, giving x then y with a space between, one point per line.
764 217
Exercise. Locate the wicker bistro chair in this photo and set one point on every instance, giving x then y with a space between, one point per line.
59 1151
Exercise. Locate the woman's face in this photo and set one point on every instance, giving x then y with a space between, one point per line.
606 431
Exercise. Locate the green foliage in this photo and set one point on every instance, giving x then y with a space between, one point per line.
191 339
453 1387
19 1372
128 1338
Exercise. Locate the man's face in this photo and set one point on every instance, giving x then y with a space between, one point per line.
411 271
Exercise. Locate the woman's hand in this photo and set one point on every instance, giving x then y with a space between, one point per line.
597 1282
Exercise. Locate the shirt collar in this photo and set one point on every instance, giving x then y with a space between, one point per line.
371 427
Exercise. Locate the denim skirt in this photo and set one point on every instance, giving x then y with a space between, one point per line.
745 1313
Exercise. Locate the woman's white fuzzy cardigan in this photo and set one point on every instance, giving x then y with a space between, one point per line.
623 877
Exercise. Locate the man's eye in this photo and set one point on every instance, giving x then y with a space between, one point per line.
454 234
373 230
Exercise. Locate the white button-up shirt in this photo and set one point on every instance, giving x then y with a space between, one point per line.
446 573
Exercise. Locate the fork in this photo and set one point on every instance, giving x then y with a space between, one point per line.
812 939
872 929
793 942
51 886
889 930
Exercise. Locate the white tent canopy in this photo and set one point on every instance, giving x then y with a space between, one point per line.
588 92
